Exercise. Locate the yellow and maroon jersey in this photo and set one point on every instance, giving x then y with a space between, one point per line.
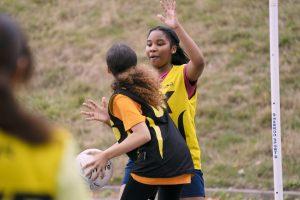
182 108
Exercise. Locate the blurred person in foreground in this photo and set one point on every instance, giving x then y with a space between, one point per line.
36 159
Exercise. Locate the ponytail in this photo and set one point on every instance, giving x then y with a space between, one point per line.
179 57
121 61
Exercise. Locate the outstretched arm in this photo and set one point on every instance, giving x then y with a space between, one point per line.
196 64
96 112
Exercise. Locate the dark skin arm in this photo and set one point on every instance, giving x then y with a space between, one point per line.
196 64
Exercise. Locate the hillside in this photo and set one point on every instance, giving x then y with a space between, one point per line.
70 38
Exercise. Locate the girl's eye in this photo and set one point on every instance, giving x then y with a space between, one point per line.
160 43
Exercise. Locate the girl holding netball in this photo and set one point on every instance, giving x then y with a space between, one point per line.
144 130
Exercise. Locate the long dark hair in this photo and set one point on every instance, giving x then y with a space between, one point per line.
16 65
179 57
121 61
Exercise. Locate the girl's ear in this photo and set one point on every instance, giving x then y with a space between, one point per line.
173 49
108 70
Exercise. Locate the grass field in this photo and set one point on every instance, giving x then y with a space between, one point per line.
70 38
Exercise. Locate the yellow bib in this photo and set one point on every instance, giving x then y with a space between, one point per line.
30 170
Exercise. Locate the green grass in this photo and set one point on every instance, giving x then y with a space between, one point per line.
70 39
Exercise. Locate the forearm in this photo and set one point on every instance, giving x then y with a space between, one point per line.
190 47
133 141
196 64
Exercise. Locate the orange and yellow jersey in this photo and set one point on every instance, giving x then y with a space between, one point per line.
40 172
182 108
165 160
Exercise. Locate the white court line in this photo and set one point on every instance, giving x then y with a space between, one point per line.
229 190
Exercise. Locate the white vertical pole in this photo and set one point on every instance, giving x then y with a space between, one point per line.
275 100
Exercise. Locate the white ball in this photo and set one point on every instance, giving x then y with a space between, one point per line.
82 159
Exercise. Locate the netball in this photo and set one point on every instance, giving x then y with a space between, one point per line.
84 158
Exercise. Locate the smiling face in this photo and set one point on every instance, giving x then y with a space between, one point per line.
159 50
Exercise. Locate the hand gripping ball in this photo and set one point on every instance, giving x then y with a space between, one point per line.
84 158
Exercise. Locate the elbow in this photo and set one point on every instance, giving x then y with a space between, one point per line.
142 132
196 70
197 59
200 64
147 137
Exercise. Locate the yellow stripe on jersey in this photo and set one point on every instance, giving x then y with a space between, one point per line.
158 112
115 131
158 135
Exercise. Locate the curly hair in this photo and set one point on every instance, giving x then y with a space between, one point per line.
141 82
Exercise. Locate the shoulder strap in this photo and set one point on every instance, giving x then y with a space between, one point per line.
134 97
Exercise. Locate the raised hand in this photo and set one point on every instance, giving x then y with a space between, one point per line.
169 18
96 112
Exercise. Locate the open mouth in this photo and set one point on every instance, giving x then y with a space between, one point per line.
154 58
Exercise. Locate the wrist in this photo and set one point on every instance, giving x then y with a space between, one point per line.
107 122
177 26
106 155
